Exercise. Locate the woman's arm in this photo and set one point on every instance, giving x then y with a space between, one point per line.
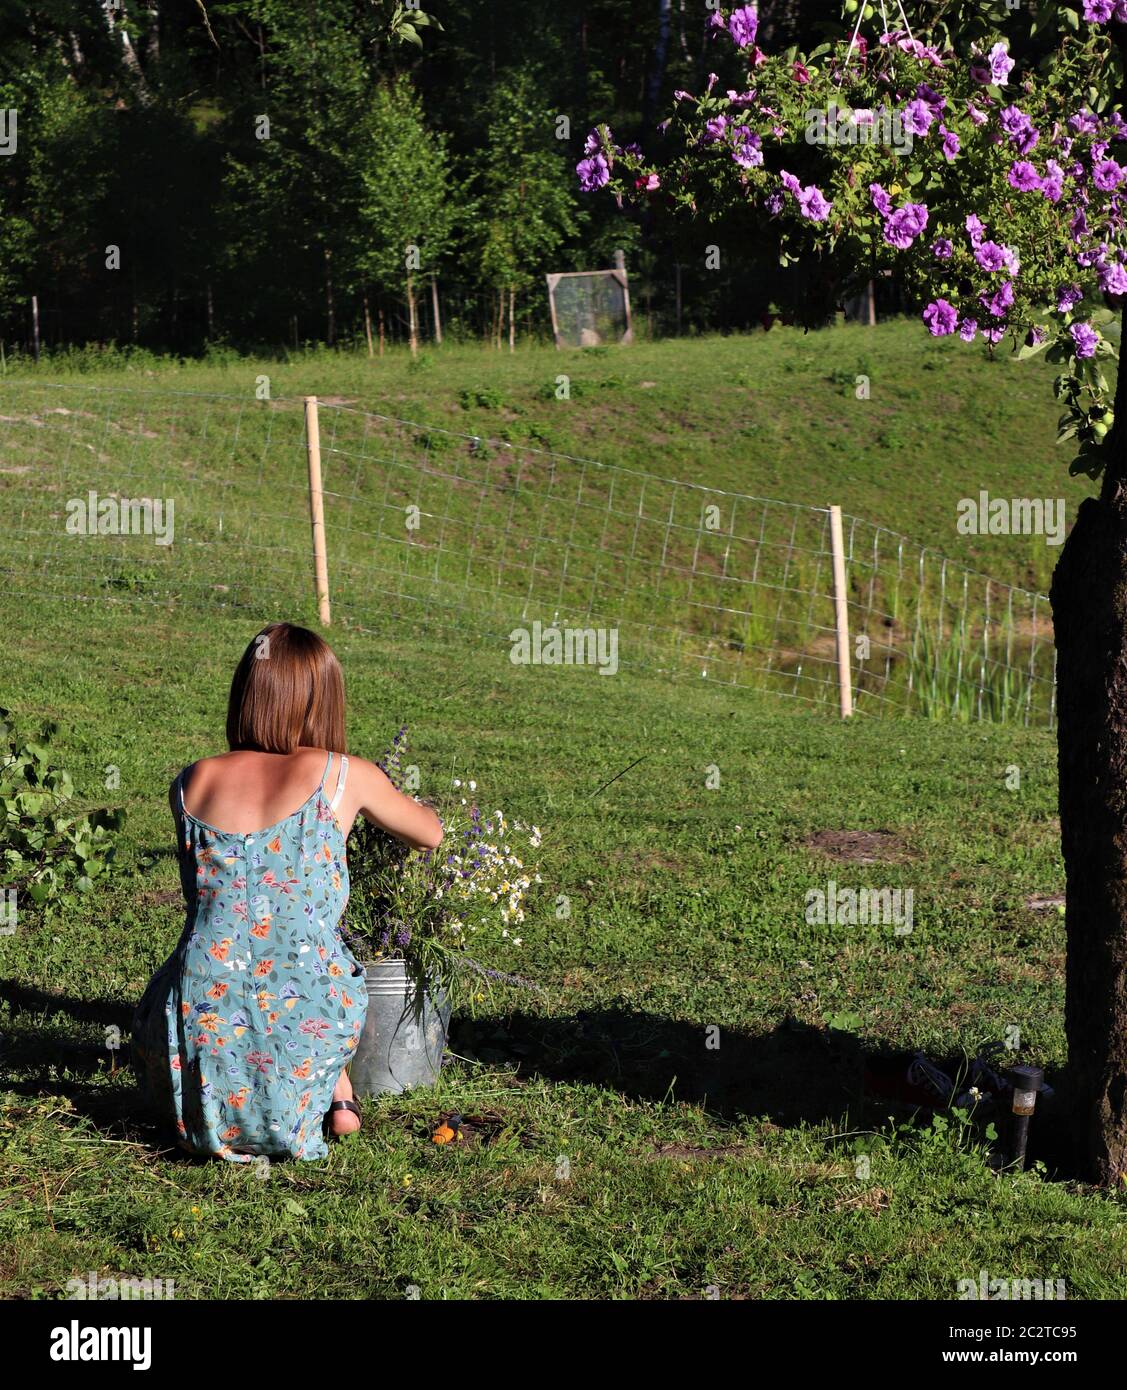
392 810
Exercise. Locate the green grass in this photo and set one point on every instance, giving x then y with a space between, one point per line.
771 415
615 1151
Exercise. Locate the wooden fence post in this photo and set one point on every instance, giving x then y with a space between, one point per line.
841 614
317 509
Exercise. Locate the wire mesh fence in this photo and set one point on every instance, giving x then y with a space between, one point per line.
160 497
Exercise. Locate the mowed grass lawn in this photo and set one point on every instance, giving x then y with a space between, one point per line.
613 1149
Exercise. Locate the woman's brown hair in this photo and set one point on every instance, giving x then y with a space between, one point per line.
287 693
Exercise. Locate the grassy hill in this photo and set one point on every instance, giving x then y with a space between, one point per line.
770 414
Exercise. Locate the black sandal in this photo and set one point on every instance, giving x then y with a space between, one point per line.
341 1105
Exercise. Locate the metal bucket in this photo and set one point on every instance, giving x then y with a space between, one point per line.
404 1032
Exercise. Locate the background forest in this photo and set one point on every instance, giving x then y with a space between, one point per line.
260 165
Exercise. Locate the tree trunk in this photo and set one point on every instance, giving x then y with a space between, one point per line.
1089 599
411 320
512 321
330 305
381 330
368 327
657 67
434 307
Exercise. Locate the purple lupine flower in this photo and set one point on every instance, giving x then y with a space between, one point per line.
941 249
1108 175
743 25
967 330
1068 298
593 173
905 225
940 318
951 144
1023 176
918 117
1085 338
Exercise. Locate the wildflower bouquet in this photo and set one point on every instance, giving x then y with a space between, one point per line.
430 908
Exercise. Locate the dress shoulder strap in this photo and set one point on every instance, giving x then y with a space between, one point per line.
340 782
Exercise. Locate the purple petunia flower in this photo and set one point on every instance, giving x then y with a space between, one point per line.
1085 337
1108 175
1068 298
975 229
989 255
918 117
714 129
967 330
1052 185
951 144
941 249
1023 176
998 304
593 173
813 204
743 25
1019 128
993 335
905 225
774 203
1113 279
881 201
747 151
1001 64
1098 11
940 318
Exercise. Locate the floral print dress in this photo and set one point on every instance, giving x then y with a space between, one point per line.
241 1035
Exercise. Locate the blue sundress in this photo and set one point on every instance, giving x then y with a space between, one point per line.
242 1034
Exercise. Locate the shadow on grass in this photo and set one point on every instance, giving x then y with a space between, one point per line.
791 1075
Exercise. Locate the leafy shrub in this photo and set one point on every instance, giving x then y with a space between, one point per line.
481 397
49 848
